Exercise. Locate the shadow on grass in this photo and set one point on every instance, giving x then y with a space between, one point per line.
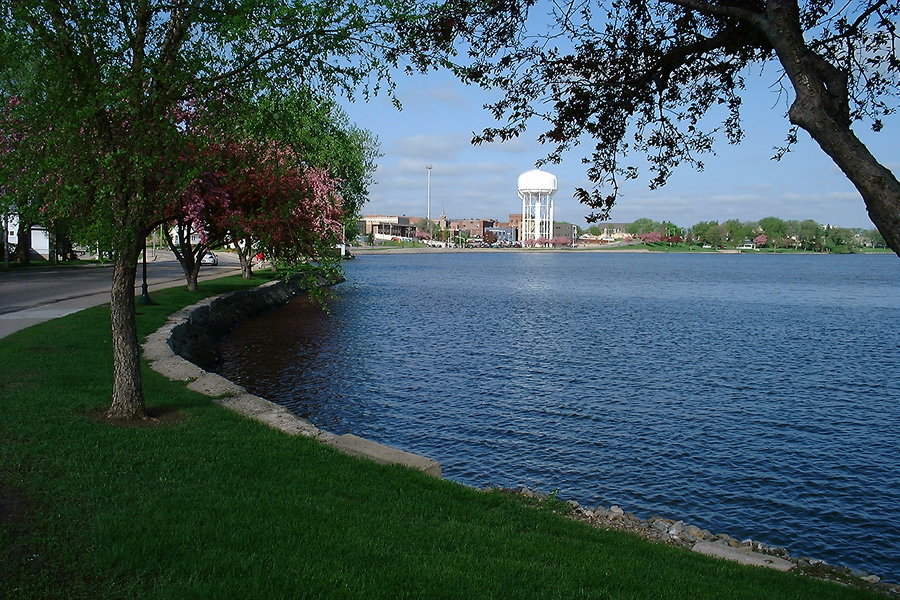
157 416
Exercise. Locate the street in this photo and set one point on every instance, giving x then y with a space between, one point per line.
31 296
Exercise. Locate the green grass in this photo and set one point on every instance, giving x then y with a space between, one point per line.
40 263
663 247
208 504
393 244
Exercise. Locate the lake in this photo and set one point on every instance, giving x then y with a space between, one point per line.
754 395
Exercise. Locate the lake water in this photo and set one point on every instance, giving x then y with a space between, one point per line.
746 394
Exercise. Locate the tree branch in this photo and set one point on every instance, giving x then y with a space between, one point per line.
720 10
853 28
677 56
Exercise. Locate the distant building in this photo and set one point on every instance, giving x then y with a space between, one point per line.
39 242
505 235
609 233
566 230
387 227
441 222
614 231
474 227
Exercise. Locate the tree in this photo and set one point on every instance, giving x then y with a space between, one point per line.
250 163
839 239
738 231
654 76
715 236
648 238
698 230
810 235
774 227
109 88
642 225
760 240
670 229
428 226
315 127
874 238
489 237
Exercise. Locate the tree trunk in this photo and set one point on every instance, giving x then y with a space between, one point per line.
821 108
128 395
194 276
878 187
186 254
243 251
23 248
52 253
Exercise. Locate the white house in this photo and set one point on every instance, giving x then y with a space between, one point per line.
40 239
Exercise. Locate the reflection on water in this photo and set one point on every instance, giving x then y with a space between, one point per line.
756 395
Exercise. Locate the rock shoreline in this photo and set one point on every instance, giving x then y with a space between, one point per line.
678 533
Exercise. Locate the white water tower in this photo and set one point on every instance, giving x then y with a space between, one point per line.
536 189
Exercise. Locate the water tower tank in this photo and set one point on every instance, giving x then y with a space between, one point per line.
537 182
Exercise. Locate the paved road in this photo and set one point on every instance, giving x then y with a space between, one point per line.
29 297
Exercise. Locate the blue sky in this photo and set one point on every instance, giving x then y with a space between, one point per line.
440 115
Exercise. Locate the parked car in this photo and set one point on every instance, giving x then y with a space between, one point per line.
209 258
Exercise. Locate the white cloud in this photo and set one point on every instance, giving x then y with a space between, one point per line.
427 95
429 147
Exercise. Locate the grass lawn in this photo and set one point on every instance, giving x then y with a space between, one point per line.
207 504
38 263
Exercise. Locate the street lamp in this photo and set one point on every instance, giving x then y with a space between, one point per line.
145 294
6 241
428 216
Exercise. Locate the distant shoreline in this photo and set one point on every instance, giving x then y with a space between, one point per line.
374 250
428 250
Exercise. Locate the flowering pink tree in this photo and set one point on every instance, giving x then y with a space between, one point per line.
530 242
259 197
760 240
422 235
194 226
560 240
651 237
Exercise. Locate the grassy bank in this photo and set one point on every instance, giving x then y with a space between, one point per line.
207 504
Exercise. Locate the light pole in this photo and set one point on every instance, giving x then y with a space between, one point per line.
5 241
428 215
145 294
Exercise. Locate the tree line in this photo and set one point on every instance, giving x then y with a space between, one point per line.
771 232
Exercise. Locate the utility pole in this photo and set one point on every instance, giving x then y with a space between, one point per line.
5 241
428 216
145 294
